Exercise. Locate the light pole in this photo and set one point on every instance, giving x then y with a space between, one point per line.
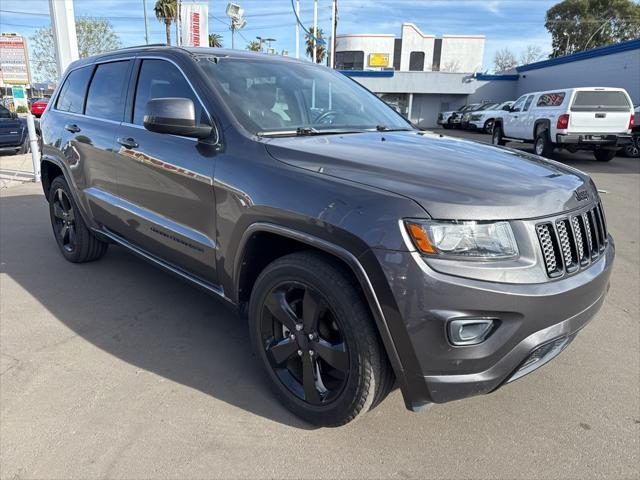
63 24
334 26
297 29
238 22
146 22
315 29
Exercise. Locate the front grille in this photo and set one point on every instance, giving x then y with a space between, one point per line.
573 242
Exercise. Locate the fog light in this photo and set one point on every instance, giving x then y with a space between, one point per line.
470 331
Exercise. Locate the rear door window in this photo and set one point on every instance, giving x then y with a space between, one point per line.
107 91
587 101
71 97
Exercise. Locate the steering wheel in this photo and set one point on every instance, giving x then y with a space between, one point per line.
327 114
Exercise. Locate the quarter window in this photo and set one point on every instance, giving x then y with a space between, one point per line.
107 91
71 97
161 79
527 103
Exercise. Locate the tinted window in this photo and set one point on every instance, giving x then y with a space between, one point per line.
107 91
350 60
597 100
4 113
416 61
71 98
161 79
551 99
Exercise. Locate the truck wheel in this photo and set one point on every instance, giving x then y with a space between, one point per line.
604 154
543 145
633 149
488 126
76 242
314 335
498 138
25 147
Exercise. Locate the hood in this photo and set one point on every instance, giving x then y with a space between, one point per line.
450 178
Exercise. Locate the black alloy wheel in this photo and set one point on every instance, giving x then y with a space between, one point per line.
304 343
64 220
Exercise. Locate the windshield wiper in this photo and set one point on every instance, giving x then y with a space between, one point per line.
384 128
306 131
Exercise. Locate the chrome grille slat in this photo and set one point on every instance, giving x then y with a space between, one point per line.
571 243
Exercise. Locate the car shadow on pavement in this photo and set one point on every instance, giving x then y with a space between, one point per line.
138 313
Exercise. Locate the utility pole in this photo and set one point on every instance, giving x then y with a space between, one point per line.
334 27
178 26
63 24
297 29
315 29
146 22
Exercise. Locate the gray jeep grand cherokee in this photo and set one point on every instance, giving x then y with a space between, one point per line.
365 253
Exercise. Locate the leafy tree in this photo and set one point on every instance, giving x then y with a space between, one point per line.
504 60
532 53
321 51
254 46
577 25
215 40
94 36
166 12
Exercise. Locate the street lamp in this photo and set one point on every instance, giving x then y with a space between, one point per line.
238 22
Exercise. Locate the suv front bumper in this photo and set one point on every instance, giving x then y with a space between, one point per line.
530 316
591 140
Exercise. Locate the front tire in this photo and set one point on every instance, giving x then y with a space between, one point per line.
488 126
25 147
76 242
498 138
604 154
543 145
314 335
632 150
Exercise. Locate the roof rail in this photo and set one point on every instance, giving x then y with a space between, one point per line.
146 45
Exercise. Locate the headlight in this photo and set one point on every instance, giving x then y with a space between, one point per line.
476 117
479 240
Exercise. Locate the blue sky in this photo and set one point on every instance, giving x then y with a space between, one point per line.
512 23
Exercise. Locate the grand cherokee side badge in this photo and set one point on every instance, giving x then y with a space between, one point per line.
581 195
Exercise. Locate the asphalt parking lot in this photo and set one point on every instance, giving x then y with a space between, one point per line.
116 369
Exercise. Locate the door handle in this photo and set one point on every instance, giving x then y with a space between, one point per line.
127 142
72 127
515 116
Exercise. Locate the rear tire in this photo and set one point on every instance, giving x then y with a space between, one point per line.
314 335
543 145
604 154
498 138
76 242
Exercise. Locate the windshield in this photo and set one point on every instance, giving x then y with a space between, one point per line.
270 97
488 106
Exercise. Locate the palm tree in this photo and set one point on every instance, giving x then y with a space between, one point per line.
254 46
320 48
215 40
166 11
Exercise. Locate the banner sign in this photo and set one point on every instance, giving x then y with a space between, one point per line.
379 60
194 24
14 63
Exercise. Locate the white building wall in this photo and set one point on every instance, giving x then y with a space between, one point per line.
413 40
462 53
367 43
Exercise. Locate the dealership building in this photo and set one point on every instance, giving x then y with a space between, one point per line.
422 75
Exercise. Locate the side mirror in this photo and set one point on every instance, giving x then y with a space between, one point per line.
176 116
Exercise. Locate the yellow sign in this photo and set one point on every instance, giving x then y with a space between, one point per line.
379 60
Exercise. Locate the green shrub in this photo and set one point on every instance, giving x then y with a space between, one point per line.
22 109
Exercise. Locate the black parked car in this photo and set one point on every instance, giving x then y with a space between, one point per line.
363 252
14 136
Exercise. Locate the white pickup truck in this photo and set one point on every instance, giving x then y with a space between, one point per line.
587 118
